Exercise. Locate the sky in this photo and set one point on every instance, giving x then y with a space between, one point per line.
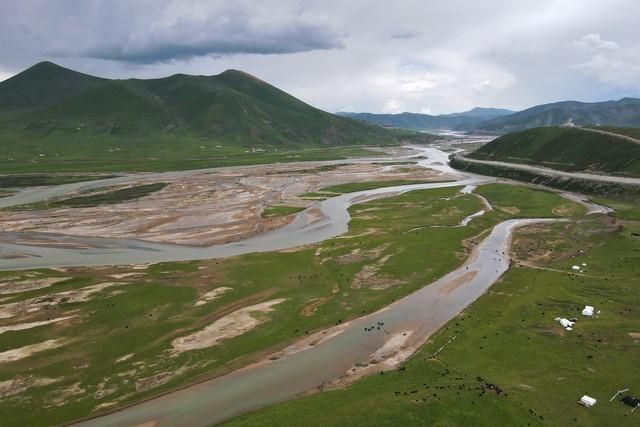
425 56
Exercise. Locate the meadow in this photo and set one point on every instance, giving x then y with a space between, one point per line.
511 363
68 153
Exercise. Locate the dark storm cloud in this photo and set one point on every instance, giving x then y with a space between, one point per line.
298 40
160 31
186 39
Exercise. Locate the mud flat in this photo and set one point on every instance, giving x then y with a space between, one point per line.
199 208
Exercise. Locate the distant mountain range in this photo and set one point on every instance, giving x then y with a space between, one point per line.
624 112
415 121
47 101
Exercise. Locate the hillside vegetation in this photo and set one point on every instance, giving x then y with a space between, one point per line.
52 117
626 131
565 148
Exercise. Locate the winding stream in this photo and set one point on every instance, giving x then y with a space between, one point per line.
418 315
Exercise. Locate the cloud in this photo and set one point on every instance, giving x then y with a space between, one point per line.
594 41
414 56
620 71
162 49
608 63
217 32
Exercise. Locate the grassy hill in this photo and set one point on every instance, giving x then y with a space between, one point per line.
42 85
565 148
624 112
52 118
626 131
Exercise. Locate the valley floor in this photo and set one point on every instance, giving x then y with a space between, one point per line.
93 339
80 342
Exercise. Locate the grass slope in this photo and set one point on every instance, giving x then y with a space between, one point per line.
565 148
42 85
627 131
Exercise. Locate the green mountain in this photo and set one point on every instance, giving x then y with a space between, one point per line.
52 114
624 112
415 121
42 85
232 106
566 148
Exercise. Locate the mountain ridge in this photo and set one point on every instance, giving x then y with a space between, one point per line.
624 112
43 84
232 106
418 121
621 112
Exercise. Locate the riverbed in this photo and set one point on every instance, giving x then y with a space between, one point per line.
26 250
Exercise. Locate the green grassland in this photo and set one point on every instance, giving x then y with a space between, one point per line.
110 197
318 195
142 316
525 202
508 338
281 210
154 153
565 148
361 186
625 209
97 197
34 180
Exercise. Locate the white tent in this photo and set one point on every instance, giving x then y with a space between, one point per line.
587 311
587 401
566 323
